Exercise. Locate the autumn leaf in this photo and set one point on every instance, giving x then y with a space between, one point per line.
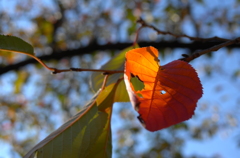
162 95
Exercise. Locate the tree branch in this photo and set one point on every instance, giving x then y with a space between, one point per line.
144 24
57 55
214 48
105 72
197 53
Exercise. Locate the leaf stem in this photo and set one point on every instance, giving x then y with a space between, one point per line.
137 35
55 71
36 58
104 82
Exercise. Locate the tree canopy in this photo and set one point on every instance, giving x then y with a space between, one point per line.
86 34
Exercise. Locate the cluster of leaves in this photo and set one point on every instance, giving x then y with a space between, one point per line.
89 130
88 133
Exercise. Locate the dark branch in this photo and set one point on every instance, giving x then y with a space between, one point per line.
117 46
198 53
212 39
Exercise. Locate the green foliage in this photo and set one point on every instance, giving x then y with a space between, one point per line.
60 26
116 63
12 43
85 135
137 84
71 134
76 140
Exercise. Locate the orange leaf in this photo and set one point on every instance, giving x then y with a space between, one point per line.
169 93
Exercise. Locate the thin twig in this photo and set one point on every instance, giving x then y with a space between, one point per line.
144 24
198 53
137 35
105 72
104 82
55 71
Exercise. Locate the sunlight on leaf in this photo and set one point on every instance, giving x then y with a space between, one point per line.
86 135
103 145
69 133
170 92
117 63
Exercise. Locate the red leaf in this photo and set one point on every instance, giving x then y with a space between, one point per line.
170 92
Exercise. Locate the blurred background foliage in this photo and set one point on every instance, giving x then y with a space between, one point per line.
33 102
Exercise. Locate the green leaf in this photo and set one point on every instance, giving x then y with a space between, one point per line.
86 135
12 43
121 93
78 138
137 83
103 145
117 63
69 133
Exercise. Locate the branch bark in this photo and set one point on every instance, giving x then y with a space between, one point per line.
198 53
57 55
144 24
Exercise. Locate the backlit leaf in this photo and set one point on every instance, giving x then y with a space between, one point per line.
117 63
12 43
103 145
73 131
86 135
170 92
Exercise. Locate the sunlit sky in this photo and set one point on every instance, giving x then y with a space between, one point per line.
224 142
